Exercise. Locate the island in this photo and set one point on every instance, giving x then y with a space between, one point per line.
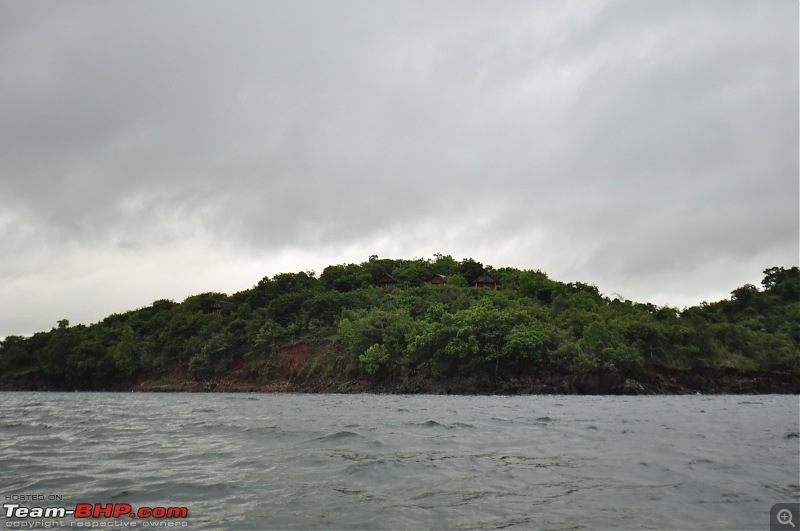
436 325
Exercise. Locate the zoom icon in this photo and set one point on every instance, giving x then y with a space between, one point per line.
784 516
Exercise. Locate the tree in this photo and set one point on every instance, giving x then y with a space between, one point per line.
270 335
785 283
470 269
374 359
344 278
744 294
526 345
125 353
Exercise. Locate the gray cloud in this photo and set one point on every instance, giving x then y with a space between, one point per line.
639 145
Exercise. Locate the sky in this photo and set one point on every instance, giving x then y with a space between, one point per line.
154 149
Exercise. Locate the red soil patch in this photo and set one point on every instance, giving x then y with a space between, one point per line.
305 358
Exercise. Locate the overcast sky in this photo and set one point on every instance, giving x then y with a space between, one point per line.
157 149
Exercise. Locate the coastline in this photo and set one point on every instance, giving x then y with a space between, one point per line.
596 381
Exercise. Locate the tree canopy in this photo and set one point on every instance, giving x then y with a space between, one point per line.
530 324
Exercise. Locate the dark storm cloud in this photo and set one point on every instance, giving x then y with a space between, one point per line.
626 143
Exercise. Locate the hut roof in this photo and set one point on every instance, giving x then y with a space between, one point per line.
484 278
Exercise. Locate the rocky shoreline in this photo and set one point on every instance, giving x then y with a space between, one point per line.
600 381
597 381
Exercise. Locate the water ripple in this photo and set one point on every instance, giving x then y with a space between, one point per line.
411 462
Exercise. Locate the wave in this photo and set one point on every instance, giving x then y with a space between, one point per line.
339 435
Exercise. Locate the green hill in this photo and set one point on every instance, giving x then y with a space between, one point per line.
429 322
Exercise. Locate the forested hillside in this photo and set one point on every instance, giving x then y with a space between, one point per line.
528 326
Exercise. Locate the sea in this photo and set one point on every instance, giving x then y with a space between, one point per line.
367 461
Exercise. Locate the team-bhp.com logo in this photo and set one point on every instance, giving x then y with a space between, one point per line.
96 510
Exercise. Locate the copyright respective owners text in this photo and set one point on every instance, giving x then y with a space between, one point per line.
50 510
783 516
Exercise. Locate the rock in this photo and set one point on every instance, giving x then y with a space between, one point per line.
603 380
632 387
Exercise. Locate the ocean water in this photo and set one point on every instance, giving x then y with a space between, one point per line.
292 461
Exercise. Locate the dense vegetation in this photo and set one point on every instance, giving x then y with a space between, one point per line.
529 325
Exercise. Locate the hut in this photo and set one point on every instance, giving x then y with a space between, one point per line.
387 282
437 278
217 306
485 281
